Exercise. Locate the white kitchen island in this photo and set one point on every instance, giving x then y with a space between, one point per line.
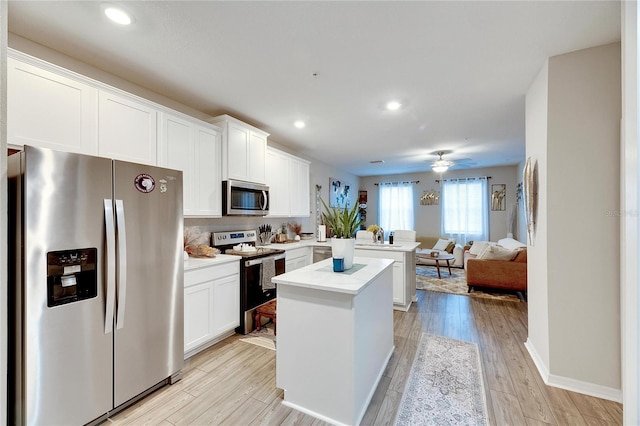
335 337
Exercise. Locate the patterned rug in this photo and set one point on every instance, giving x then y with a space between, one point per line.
427 279
264 337
445 385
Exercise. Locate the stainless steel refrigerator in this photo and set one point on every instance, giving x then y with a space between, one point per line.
96 284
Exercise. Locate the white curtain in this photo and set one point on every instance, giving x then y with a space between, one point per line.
465 209
395 206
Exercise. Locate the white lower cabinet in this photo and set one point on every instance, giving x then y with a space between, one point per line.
211 305
403 277
297 258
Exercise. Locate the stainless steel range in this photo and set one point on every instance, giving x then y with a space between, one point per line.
257 266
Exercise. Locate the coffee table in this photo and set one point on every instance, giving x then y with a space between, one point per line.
446 257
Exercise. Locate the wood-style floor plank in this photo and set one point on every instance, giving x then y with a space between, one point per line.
233 382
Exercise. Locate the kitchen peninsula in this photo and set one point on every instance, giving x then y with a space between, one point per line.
335 337
404 266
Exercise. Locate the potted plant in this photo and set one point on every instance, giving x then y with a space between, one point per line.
344 223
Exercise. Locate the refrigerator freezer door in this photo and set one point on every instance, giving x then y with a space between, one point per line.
65 354
149 342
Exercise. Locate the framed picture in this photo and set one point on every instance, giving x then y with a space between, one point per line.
339 193
498 197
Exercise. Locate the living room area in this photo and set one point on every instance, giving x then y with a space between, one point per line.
572 323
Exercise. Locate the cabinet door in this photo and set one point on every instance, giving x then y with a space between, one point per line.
237 151
50 110
208 183
256 157
127 129
299 188
178 151
198 315
278 182
398 283
226 304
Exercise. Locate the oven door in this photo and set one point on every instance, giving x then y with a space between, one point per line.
254 293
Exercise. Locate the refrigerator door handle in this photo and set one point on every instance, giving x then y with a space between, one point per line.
110 270
122 264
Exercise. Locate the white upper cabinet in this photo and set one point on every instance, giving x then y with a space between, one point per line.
278 181
127 128
193 146
244 150
48 108
288 181
300 191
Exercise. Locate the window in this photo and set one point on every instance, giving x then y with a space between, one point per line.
465 209
395 206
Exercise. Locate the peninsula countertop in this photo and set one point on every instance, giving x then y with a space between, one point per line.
402 246
320 275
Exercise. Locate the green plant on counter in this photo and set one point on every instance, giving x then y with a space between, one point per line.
342 221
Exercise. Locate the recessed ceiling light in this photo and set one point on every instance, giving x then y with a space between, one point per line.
300 124
393 105
118 15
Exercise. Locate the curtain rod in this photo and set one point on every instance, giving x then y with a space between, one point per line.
391 183
456 179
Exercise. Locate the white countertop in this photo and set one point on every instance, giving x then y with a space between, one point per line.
320 276
400 246
203 262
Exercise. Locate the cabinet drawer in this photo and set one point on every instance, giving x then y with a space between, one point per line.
196 276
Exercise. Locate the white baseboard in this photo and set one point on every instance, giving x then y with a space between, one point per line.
570 384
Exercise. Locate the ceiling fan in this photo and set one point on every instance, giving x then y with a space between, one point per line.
441 165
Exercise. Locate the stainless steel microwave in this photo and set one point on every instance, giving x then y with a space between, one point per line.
244 198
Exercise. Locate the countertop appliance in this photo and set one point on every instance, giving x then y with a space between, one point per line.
95 285
244 198
257 266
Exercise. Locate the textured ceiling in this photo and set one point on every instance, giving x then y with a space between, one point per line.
460 69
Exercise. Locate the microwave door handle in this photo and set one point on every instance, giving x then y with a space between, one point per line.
266 201
122 264
110 269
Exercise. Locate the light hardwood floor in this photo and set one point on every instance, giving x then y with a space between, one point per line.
233 382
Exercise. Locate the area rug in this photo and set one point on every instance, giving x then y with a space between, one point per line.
445 385
264 337
427 279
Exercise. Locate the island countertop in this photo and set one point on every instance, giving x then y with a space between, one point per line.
320 275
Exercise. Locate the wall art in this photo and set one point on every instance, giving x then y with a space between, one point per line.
339 193
498 197
430 198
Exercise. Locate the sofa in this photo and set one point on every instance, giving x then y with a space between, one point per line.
501 265
428 244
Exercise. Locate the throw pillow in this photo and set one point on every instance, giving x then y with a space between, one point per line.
477 247
496 252
441 244
511 244
450 246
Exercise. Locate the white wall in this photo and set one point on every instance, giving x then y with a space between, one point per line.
577 236
428 218
537 271
630 177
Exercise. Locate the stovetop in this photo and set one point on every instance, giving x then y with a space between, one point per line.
226 241
258 252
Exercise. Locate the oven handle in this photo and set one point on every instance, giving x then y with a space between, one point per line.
258 261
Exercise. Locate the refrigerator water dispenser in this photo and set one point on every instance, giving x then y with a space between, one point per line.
71 276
